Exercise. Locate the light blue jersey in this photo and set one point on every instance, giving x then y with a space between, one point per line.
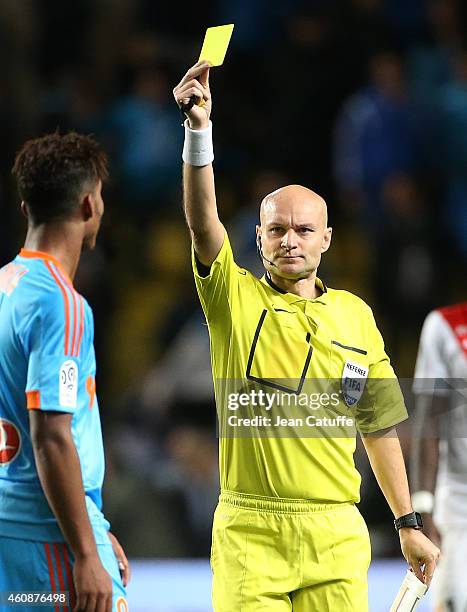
47 362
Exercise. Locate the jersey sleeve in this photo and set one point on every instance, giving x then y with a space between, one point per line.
383 404
217 287
431 367
53 368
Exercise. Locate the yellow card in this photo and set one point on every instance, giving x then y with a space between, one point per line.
215 44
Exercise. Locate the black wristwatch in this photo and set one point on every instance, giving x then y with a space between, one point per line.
413 520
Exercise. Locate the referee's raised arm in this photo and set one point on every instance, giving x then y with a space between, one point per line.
193 96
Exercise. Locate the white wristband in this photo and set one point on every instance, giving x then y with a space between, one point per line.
423 501
198 149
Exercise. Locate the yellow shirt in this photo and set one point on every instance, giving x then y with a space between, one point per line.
294 379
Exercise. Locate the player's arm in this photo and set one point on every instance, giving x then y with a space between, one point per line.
53 382
429 406
424 457
387 462
59 470
425 444
199 196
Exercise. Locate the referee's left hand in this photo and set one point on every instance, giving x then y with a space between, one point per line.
420 553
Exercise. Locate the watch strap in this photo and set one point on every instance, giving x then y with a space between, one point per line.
413 519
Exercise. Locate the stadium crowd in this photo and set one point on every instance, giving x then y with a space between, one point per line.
364 101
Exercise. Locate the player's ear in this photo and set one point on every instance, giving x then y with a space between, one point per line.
24 209
326 239
87 206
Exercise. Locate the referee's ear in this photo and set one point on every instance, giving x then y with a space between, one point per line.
327 235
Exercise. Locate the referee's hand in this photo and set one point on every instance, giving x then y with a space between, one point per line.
420 552
193 95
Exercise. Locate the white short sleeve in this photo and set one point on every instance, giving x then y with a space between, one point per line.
432 365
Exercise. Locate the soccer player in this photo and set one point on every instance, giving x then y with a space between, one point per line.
53 535
439 452
287 534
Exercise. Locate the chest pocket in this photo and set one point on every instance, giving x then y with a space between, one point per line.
342 354
280 352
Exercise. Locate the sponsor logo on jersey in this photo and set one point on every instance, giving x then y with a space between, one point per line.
354 378
10 442
68 384
121 605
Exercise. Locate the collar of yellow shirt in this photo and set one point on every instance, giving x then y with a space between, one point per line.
292 298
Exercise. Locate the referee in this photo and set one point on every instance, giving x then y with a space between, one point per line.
287 534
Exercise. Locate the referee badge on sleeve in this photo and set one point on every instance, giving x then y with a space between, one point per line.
354 378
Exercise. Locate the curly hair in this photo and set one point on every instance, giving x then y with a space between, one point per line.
51 173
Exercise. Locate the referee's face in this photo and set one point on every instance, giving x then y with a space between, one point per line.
293 233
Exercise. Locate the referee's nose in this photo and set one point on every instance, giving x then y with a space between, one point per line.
289 240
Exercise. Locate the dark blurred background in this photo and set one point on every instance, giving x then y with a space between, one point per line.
364 101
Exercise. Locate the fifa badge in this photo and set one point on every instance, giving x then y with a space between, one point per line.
354 378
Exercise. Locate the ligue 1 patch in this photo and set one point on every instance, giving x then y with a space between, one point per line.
68 385
354 378
10 442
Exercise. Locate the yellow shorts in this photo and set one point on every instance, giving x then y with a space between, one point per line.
279 555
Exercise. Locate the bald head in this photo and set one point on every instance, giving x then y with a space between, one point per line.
295 198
